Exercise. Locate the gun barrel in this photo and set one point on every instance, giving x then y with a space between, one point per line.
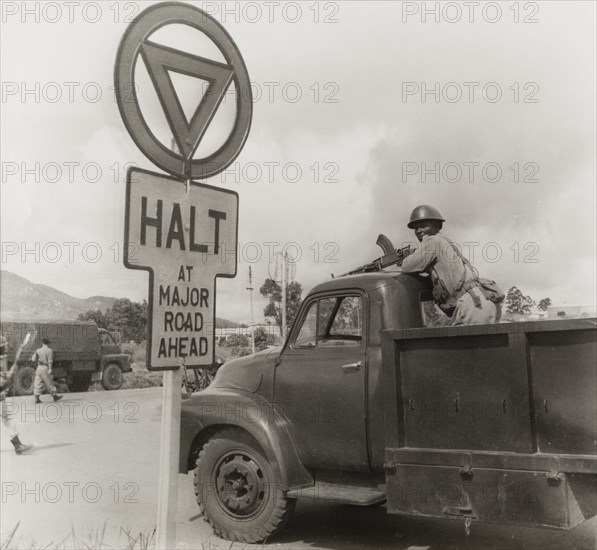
395 257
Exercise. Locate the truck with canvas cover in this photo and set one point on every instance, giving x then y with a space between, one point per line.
83 353
365 403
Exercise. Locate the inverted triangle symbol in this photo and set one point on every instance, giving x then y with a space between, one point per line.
189 90
161 59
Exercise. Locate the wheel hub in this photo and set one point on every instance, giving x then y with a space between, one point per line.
240 484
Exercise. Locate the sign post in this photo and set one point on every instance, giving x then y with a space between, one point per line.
185 239
170 445
182 232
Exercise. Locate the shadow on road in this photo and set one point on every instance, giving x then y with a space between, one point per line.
350 527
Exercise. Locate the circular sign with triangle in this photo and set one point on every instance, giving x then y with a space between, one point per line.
159 61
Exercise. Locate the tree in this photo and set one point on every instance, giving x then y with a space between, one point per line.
544 304
94 315
238 344
128 318
517 302
237 340
260 336
272 290
240 351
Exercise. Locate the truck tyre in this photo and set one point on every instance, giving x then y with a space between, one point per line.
23 380
112 378
237 491
80 382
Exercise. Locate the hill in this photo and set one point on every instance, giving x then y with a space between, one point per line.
23 300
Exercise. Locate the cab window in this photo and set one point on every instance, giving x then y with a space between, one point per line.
329 322
307 335
106 338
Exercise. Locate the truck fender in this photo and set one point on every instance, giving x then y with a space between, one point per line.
121 359
211 410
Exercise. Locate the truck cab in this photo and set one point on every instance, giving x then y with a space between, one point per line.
112 363
344 411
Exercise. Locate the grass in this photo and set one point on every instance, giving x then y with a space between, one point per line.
94 539
90 539
142 379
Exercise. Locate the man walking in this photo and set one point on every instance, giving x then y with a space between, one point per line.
5 380
457 288
43 373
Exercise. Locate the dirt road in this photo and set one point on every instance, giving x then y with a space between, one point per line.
92 480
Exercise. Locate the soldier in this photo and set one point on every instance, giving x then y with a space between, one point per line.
457 288
5 380
43 372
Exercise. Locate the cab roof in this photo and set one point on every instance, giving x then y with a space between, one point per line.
366 281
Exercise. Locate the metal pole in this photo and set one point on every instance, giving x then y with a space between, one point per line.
284 274
250 288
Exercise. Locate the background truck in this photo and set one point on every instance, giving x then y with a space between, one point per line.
364 404
83 353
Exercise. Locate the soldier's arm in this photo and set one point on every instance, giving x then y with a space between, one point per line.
422 258
50 361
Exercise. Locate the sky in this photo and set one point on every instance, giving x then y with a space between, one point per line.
362 111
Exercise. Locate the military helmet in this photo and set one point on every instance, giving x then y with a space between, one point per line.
424 212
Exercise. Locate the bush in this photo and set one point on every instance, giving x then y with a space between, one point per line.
137 353
240 351
237 340
142 379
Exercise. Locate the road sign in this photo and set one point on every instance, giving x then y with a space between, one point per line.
159 61
182 232
185 240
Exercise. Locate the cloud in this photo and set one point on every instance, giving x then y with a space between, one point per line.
352 152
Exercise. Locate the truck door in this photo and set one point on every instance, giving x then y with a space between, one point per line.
320 382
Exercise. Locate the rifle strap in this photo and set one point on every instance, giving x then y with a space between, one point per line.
464 286
473 283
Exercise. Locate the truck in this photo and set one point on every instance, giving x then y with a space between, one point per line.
83 353
365 404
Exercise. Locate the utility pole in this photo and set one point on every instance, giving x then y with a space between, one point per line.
250 289
284 283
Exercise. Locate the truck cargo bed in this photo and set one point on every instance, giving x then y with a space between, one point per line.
494 422
70 340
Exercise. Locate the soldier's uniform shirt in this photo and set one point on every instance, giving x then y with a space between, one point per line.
43 377
44 356
437 257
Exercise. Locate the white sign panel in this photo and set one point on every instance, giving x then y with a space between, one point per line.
185 240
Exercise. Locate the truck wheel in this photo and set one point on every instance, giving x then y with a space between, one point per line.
80 382
23 380
237 491
112 378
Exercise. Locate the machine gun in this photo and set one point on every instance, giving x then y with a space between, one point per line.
392 256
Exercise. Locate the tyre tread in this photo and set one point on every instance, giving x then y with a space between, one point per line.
280 515
107 385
